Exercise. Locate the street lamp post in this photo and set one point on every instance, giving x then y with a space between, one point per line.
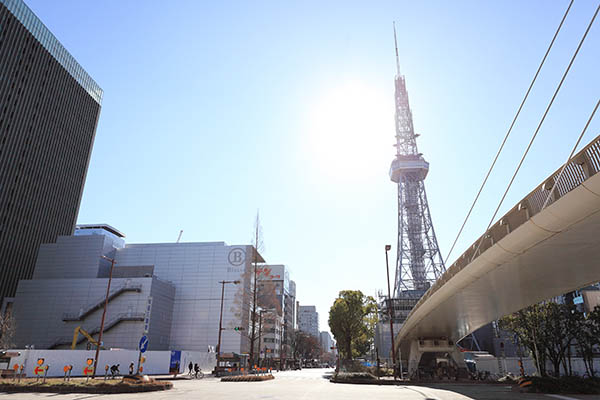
390 305
260 313
221 318
281 348
112 265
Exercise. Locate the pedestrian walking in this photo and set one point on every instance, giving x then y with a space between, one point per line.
191 367
196 369
114 370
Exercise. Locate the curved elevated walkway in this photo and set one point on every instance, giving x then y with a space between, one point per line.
529 255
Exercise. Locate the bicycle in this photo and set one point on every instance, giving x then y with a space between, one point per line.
196 375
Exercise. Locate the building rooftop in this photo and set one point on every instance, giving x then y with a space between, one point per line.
37 28
106 227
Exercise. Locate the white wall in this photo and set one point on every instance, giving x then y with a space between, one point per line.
511 364
157 362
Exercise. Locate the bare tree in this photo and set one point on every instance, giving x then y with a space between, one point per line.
306 346
258 292
257 242
7 331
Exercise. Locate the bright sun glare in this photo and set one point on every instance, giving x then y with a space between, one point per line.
351 132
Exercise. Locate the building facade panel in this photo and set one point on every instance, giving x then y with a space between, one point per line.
41 305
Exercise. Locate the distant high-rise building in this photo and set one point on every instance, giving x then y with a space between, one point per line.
326 342
308 320
49 109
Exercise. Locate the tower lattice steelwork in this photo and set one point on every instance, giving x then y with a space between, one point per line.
419 262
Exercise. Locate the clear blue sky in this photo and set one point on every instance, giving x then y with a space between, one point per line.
213 110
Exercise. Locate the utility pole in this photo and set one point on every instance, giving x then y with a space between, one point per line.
221 318
112 265
260 313
390 311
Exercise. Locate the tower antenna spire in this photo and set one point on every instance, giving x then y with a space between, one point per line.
396 45
419 262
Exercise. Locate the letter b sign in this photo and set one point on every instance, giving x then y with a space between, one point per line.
236 257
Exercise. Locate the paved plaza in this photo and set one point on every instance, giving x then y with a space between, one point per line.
310 384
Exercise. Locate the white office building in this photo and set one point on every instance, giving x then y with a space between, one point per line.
172 291
308 320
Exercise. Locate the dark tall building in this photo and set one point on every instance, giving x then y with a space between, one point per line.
49 108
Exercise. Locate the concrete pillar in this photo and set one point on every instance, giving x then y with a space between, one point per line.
459 358
414 357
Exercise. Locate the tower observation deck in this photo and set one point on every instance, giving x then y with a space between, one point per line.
418 262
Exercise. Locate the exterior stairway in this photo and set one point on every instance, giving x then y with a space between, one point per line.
61 341
90 308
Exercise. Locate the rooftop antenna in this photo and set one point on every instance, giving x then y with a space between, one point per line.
179 237
396 44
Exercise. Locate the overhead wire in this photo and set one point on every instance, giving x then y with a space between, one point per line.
559 177
509 129
538 128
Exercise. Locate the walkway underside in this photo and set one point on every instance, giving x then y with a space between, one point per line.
555 251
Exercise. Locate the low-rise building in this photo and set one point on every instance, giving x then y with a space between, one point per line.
277 297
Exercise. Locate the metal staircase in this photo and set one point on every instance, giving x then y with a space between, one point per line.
90 308
65 340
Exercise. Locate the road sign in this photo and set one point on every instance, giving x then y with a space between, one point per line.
143 344
88 370
147 315
39 370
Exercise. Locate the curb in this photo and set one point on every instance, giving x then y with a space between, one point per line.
93 389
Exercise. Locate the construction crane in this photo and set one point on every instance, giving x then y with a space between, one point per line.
89 337
179 237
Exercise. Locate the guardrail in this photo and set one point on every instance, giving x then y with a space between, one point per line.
582 166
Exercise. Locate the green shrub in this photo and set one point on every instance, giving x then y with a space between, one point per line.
353 377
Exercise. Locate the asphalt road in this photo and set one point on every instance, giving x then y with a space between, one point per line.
309 384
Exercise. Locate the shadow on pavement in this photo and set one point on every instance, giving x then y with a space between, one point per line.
483 391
